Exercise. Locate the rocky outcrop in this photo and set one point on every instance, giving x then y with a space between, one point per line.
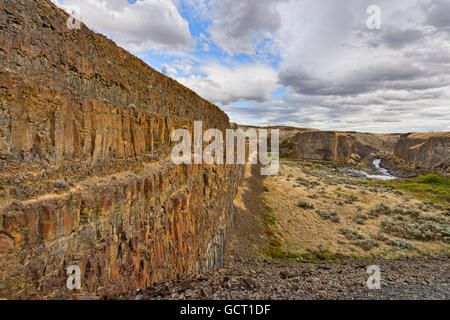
340 147
86 177
368 144
324 146
429 151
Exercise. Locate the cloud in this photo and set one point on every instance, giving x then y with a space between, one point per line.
168 70
370 78
397 38
340 75
224 85
333 72
437 13
423 113
144 25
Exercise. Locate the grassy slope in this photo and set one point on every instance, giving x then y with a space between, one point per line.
430 187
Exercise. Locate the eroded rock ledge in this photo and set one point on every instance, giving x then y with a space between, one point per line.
429 151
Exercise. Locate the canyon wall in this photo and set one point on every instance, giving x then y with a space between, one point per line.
86 177
429 151
321 145
339 147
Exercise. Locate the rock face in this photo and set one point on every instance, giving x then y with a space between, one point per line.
339 147
324 146
425 150
86 177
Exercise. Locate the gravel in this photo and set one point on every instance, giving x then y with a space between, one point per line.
411 278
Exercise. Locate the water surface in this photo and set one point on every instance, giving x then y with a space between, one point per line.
383 173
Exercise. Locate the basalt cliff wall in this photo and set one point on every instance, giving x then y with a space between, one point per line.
85 171
339 147
324 145
404 154
430 151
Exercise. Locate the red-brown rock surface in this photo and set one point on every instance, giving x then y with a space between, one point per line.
335 146
429 151
325 145
86 177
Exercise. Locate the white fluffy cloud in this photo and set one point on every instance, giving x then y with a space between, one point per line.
223 85
237 25
144 25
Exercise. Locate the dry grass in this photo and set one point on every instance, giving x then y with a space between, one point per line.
427 135
311 203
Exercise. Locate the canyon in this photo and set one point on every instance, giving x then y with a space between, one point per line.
409 154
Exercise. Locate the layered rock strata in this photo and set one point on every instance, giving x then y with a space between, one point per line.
86 177
430 151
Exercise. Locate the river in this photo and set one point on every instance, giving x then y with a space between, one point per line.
383 173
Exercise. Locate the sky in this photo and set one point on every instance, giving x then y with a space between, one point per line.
303 63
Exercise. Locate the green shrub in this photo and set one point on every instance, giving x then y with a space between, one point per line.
360 219
422 230
380 209
412 212
352 198
305 204
287 145
350 234
366 243
399 217
401 244
429 187
329 215
138 170
407 198
270 220
432 179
